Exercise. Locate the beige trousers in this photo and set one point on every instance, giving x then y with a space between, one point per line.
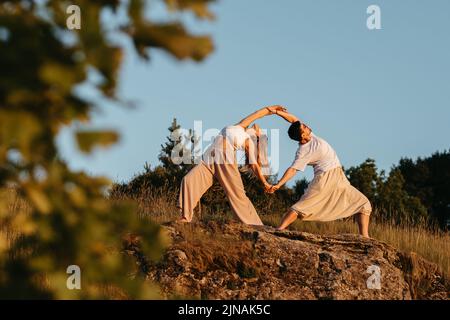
201 178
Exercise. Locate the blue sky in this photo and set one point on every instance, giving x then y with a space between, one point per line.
381 94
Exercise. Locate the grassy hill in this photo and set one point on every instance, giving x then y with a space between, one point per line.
159 206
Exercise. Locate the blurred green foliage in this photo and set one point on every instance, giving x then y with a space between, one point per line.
71 222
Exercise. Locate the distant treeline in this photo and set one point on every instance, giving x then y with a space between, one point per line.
413 192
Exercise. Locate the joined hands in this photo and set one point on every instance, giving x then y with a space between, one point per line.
271 189
275 108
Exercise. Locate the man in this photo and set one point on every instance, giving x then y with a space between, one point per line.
330 196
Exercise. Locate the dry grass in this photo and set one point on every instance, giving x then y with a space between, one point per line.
157 204
11 205
160 207
215 251
433 245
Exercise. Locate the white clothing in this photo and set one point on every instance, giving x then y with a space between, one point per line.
234 136
318 154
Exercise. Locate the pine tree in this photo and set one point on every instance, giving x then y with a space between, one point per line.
165 156
365 178
388 195
395 202
177 155
429 180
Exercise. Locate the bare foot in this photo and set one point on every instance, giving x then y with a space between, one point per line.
182 220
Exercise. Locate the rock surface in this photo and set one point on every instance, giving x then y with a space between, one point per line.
234 261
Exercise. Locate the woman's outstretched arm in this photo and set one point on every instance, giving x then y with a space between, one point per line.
255 166
258 172
260 114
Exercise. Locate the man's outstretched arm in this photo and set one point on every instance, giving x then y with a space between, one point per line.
288 175
287 116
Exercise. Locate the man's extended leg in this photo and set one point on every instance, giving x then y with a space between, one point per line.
363 224
288 219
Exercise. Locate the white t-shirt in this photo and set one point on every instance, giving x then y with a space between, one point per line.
318 154
236 136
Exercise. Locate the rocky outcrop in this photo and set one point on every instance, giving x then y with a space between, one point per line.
234 261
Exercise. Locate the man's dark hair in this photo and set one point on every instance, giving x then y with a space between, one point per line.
294 131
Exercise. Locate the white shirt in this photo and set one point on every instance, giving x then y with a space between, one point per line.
236 137
318 154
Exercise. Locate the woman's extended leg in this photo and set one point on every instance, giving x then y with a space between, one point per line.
231 181
193 186
363 224
288 219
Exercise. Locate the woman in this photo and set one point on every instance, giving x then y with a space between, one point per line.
219 162
330 196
